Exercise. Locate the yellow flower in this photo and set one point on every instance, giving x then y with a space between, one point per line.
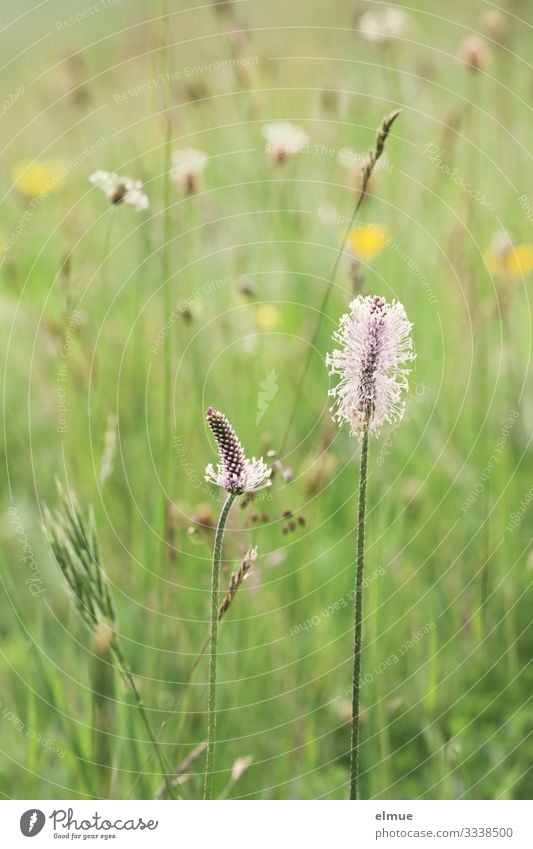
367 242
267 317
515 261
36 178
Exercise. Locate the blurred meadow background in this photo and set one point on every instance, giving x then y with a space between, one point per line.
119 328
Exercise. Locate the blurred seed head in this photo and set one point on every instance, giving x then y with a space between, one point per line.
204 518
382 26
283 141
120 190
187 169
474 53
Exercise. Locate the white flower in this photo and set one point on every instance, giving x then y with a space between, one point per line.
253 476
235 473
379 27
283 140
121 189
187 169
375 339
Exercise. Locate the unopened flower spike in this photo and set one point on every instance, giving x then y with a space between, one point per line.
235 473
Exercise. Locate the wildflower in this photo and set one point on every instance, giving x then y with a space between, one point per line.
283 140
187 169
505 259
267 317
475 53
366 242
37 178
235 473
383 26
376 345
120 189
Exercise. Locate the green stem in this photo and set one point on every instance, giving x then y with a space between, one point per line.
103 298
130 680
358 638
103 709
167 297
213 647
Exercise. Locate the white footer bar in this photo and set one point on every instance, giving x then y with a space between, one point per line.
268 825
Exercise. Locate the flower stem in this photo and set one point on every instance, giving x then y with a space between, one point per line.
358 638
213 647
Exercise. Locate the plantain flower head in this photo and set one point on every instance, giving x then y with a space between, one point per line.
187 169
120 189
283 140
382 26
376 345
234 473
474 53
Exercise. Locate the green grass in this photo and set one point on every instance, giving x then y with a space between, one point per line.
449 716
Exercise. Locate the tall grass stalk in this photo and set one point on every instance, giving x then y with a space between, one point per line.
74 543
367 169
103 707
167 289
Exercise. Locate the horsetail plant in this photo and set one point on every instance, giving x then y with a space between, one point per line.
236 475
375 346
74 544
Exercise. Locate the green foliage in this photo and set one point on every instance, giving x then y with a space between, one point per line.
444 714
